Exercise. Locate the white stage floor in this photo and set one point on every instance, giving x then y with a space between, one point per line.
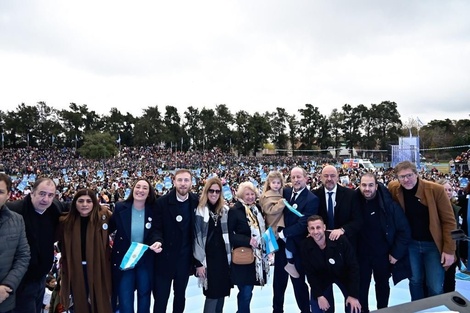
262 297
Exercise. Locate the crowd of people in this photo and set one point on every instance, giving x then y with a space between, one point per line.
146 220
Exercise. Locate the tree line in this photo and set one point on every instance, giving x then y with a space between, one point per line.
373 127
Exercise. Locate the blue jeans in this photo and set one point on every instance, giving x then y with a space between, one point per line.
29 296
244 298
425 261
139 278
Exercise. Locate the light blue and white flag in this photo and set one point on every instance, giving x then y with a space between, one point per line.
133 255
293 208
270 241
227 193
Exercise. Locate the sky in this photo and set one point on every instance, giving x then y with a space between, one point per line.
252 55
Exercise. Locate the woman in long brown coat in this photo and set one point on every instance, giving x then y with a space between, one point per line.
85 261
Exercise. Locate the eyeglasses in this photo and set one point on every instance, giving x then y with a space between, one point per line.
217 191
406 176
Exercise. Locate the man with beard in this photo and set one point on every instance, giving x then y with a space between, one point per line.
40 210
174 223
326 262
383 241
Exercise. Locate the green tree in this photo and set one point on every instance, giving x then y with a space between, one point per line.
336 120
223 122
351 126
293 124
386 124
259 131
97 145
172 130
310 122
208 128
279 123
192 127
242 140
149 128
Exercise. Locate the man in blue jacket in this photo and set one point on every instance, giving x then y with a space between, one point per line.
383 241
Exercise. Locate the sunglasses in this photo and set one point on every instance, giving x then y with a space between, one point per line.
217 191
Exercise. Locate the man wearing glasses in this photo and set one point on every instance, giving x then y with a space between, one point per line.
431 220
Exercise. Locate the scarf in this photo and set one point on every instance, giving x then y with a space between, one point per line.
98 267
201 228
256 222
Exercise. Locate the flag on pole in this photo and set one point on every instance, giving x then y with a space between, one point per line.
133 255
52 139
119 139
419 122
270 241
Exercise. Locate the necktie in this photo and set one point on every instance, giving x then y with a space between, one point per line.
292 199
331 219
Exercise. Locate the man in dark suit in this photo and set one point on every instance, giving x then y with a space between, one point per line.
294 232
338 209
337 206
174 223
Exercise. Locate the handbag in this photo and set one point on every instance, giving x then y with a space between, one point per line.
242 256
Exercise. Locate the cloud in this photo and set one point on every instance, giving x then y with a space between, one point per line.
250 55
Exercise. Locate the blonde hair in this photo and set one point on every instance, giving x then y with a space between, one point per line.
243 186
204 199
271 176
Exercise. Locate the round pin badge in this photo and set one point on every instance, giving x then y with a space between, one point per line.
105 226
179 218
149 219
103 217
331 261
294 205
148 225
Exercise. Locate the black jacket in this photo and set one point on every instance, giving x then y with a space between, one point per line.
337 263
395 228
41 238
167 227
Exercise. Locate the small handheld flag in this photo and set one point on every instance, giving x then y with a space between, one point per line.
133 255
270 241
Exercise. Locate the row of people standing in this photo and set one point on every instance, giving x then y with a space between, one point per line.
167 228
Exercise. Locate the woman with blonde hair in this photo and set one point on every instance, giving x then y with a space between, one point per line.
449 276
212 246
85 261
246 227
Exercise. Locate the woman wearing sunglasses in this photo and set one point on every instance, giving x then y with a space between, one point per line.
212 247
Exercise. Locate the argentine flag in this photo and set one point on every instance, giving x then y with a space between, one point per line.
270 241
133 255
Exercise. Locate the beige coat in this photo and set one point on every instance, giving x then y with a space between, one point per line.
273 208
441 214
